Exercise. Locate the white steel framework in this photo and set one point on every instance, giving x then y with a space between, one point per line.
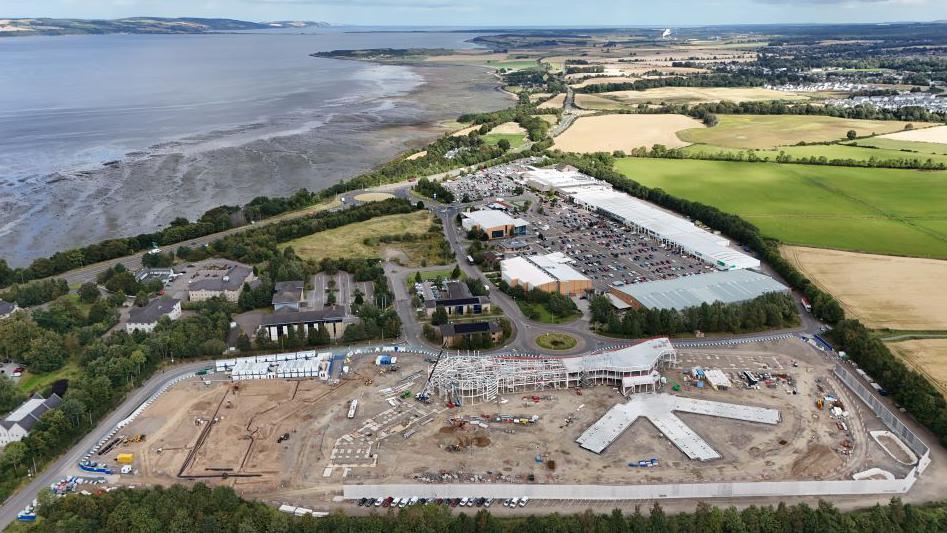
473 379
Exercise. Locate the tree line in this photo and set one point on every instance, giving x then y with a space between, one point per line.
558 305
909 389
777 107
769 311
180 509
717 79
660 151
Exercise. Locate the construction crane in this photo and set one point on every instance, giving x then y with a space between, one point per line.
425 393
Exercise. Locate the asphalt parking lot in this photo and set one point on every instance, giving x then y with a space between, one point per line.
609 253
491 183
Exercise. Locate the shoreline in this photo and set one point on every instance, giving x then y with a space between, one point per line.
145 193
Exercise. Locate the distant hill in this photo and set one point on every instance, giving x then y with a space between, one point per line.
296 24
46 26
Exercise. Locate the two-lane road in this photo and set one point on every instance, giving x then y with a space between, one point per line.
58 470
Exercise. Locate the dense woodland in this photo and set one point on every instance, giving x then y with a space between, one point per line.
699 80
776 107
766 312
202 509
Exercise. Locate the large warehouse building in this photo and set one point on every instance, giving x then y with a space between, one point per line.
672 230
496 224
550 273
568 181
730 286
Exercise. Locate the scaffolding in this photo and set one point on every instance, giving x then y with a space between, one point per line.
476 379
466 379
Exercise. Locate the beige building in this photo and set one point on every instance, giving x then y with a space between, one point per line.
550 273
224 282
496 224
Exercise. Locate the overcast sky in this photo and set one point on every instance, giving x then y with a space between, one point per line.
497 12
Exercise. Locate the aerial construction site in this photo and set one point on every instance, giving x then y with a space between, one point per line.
641 415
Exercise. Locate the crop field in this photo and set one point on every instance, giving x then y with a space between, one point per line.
607 133
897 212
696 95
770 131
936 135
901 293
829 151
913 147
597 103
556 102
928 356
349 241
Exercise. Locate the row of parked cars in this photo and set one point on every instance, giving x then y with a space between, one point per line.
452 502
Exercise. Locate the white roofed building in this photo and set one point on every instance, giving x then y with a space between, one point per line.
495 223
671 229
550 273
727 287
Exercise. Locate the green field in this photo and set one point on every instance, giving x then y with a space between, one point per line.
896 212
829 151
514 64
908 147
770 131
349 241
515 139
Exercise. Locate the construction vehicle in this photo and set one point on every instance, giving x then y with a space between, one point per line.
283 437
425 394
135 439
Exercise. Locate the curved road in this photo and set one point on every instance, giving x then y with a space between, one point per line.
59 469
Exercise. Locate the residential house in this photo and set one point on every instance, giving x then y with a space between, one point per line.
147 317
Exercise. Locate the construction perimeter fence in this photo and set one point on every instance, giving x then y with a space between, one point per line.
889 419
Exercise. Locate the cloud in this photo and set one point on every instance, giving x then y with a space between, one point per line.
416 4
831 2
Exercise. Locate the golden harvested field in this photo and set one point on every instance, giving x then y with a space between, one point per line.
508 128
936 134
555 102
595 102
928 356
607 133
681 95
902 293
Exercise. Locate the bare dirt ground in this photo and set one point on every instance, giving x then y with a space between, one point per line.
444 446
928 356
607 133
936 134
595 102
373 196
901 293
555 102
508 128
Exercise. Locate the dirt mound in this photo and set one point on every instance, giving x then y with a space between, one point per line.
817 461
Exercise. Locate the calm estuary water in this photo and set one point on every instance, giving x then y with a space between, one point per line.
111 135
